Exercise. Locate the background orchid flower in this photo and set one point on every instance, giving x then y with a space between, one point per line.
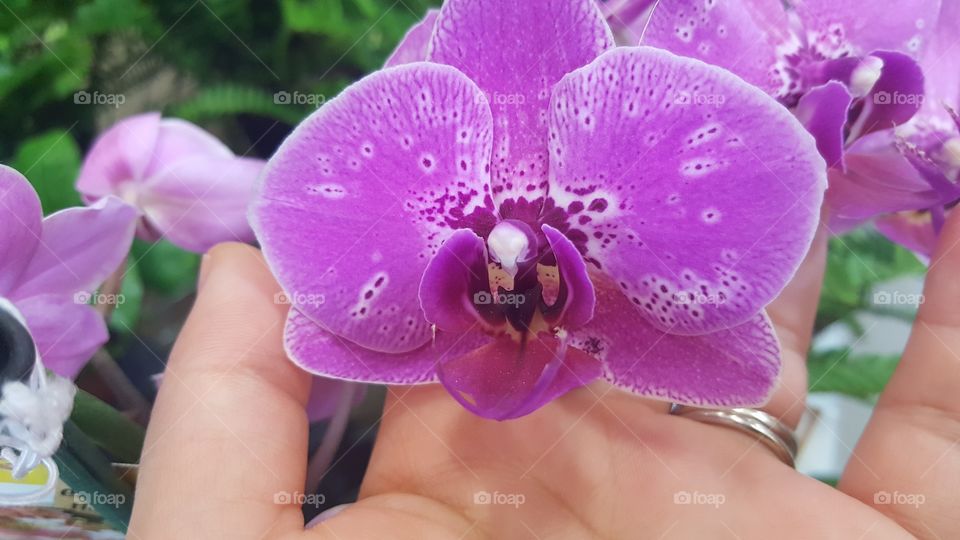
189 187
49 266
930 143
847 71
532 210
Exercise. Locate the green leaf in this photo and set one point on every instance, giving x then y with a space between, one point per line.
103 16
861 377
85 469
128 311
856 262
231 99
108 428
165 268
51 162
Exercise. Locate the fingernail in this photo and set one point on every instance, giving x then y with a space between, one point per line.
205 266
327 514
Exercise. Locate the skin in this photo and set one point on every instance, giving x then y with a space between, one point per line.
229 432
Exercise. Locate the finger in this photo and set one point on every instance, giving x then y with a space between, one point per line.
907 463
793 314
229 431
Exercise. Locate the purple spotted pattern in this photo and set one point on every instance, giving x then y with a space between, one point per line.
850 74
532 210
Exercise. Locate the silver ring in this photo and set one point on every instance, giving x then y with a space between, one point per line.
764 427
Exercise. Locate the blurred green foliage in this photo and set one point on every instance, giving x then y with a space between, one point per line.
857 264
219 63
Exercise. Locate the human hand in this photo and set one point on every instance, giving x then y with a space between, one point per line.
229 432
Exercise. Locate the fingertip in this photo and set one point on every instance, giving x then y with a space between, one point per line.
941 291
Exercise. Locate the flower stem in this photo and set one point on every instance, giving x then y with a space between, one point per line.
129 398
322 459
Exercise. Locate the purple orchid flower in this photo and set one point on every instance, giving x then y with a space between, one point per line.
188 186
531 210
850 75
48 267
928 147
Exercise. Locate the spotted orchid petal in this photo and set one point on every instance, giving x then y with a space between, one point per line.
676 213
912 230
736 367
739 35
20 226
515 52
321 352
502 381
410 146
836 27
78 249
413 46
189 187
823 111
67 332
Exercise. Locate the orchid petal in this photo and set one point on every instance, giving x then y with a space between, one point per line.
739 35
912 230
320 352
894 98
878 180
200 201
67 332
410 147
941 64
79 248
733 367
836 27
823 111
120 155
20 226
677 211
502 380
178 140
516 51
413 46
455 283
576 299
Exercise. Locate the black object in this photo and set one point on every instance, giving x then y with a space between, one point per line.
17 351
